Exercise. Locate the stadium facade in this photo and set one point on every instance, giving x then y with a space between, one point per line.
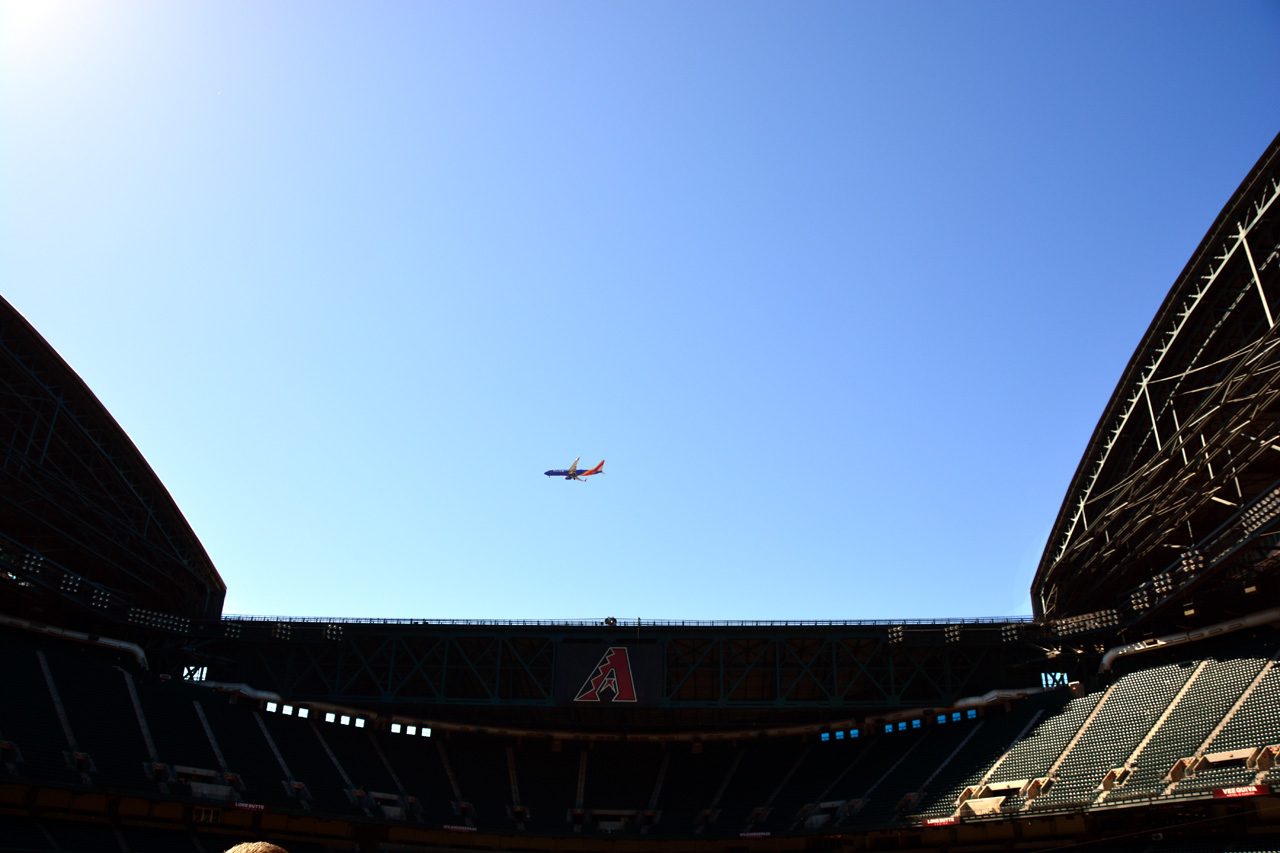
1140 703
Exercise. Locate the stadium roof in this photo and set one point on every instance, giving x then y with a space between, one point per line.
1167 519
87 525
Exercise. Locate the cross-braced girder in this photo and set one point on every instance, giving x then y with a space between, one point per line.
80 509
712 674
1191 436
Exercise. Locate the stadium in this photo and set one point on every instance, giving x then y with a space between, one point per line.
1139 708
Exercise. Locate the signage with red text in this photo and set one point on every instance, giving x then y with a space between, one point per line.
1242 791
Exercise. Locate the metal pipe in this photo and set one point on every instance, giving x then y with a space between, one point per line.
245 690
79 636
1253 620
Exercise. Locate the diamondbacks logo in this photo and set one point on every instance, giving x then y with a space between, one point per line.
612 675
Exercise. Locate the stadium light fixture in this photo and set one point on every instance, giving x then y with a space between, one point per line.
330 717
304 712
345 720
411 730
271 707
426 731
287 710
826 736
395 728
359 722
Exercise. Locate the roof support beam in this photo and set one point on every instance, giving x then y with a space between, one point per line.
1256 280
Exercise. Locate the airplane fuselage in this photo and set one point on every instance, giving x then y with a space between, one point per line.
574 472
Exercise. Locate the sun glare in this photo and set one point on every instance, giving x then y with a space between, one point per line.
34 32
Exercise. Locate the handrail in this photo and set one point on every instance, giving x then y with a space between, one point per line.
1262 617
78 636
639 623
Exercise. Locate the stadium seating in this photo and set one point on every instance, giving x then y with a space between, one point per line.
419 764
353 750
821 765
694 776
305 752
1130 711
624 773
1115 745
102 717
547 774
244 747
172 718
1218 686
759 767
483 775
32 724
975 759
1256 723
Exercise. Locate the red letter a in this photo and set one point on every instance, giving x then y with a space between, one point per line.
612 674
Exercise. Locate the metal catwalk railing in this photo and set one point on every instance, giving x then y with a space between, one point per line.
657 623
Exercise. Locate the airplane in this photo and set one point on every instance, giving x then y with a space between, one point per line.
572 473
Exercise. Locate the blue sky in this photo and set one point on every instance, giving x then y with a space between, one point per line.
839 290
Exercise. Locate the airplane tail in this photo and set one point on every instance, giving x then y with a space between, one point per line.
599 469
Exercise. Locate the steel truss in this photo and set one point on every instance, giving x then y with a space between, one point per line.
1190 441
504 674
84 522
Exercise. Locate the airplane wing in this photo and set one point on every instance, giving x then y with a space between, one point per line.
573 469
